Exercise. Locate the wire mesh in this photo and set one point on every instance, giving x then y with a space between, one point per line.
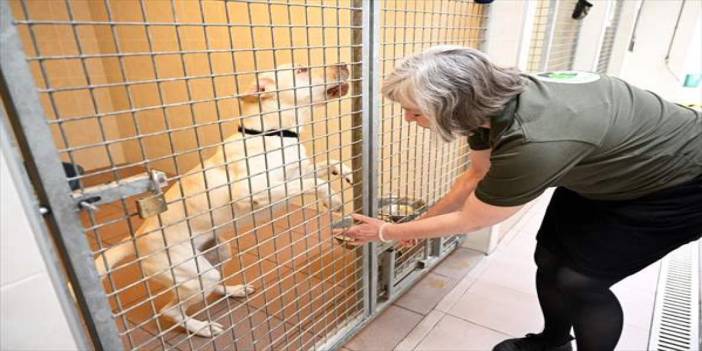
414 164
134 86
554 36
612 24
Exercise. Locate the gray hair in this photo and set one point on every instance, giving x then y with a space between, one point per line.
457 87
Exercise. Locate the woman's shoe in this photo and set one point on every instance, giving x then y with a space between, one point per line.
533 342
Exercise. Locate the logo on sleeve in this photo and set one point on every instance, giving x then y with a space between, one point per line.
568 77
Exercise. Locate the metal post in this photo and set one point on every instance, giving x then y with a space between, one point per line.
368 119
387 274
28 118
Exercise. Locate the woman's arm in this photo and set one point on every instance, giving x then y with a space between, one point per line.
464 186
474 215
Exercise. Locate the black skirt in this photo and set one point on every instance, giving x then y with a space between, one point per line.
614 239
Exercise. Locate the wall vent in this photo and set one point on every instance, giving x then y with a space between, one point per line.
675 324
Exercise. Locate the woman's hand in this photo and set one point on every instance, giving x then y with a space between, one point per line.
364 232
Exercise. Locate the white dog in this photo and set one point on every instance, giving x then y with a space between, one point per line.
263 170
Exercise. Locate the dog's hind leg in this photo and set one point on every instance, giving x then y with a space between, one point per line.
215 281
239 290
196 326
191 280
176 313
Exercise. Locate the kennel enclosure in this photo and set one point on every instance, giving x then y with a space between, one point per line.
133 97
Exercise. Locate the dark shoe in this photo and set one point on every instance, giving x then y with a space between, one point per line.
533 342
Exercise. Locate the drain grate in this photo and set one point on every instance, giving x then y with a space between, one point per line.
675 324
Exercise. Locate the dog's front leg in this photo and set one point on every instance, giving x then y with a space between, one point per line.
303 186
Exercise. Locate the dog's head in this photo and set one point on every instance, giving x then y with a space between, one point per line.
298 86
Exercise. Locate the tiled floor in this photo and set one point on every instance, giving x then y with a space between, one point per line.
471 301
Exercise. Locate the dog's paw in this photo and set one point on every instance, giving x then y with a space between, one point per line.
204 329
240 290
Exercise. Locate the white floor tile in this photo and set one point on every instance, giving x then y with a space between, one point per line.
637 307
420 331
633 339
511 273
452 333
384 333
32 318
458 263
458 291
496 307
423 297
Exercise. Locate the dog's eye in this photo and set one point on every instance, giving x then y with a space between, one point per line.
301 70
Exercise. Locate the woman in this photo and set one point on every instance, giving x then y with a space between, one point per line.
627 164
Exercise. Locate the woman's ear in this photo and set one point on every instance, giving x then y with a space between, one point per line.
260 90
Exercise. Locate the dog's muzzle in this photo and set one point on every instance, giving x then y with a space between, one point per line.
342 88
338 90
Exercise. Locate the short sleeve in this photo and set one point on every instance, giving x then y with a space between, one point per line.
480 139
521 171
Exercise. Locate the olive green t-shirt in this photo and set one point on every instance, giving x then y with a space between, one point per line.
593 134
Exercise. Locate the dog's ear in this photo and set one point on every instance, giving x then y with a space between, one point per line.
262 90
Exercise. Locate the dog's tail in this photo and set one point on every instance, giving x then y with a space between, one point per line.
112 256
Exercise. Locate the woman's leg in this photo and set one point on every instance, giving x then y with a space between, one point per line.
554 305
594 310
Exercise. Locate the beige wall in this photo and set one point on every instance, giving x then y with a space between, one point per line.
212 77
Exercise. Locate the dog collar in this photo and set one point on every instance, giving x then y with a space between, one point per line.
283 133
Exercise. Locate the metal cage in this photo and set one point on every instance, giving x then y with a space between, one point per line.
148 128
554 36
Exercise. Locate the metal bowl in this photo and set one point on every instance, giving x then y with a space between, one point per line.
341 239
345 241
399 210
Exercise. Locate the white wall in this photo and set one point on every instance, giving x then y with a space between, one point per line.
591 33
645 67
32 317
503 37
623 36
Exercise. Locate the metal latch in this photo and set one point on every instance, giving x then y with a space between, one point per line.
156 203
92 197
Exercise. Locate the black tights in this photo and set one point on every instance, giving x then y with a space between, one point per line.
572 299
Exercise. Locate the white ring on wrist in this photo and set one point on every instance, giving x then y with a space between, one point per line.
380 233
